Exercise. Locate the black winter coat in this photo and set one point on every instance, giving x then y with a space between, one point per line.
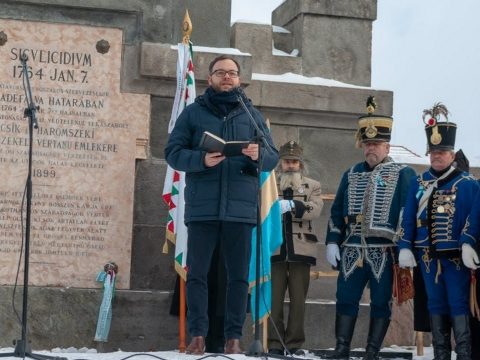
228 191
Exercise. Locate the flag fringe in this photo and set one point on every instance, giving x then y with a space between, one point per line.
181 271
253 283
169 237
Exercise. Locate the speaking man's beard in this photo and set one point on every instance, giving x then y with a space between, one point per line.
290 179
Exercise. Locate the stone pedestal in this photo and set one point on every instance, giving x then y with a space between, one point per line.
82 189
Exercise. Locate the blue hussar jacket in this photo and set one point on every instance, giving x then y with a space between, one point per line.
229 190
439 224
367 205
471 231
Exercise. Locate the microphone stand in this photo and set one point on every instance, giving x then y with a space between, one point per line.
22 348
256 348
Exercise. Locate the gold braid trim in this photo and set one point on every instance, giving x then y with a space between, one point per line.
439 271
426 260
376 121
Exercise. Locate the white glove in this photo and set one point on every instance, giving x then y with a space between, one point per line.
406 259
469 257
286 205
333 254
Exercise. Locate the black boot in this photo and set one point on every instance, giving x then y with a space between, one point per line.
475 334
215 340
441 340
344 326
376 333
461 333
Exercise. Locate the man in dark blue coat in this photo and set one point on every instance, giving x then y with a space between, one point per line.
220 195
471 232
362 231
435 214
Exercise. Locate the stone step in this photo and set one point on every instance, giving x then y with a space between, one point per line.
60 317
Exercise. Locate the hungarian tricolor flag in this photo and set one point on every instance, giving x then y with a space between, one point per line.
173 189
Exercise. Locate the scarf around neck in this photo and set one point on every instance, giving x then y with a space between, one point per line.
224 102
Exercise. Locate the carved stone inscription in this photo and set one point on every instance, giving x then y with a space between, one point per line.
83 154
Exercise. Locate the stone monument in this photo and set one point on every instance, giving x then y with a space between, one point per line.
84 153
104 75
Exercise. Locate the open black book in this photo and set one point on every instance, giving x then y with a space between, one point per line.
213 143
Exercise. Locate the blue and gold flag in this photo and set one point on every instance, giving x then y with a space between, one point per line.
271 241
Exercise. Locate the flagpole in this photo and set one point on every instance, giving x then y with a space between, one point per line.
182 331
182 334
265 334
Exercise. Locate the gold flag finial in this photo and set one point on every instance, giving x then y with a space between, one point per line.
187 28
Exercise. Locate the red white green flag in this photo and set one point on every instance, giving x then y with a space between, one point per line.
174 186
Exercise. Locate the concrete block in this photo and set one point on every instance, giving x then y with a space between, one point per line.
132 80
159 120
257 40
155 20
149 207
333 37
283 40
327 140
159 61
282 64
284 98
151 268
337 48
288 10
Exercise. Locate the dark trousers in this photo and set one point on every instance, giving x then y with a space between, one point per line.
294 276
235 240
421 315
447 288
217 283
349 290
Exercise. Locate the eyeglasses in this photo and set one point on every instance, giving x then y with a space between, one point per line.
222 73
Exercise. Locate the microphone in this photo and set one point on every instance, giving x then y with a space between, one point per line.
23 57
31 109
260 136
240 93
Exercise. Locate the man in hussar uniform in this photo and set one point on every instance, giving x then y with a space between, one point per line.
300 202
362 232
472 231
436 211
471 234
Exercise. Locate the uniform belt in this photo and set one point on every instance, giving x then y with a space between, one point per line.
422 223
354 219
446 254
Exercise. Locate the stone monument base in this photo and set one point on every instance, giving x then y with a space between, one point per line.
66 317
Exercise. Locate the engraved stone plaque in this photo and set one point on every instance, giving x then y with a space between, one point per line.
84 153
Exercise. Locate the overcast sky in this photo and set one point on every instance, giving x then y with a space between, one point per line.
424 51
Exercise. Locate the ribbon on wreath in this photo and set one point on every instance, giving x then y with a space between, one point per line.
107 277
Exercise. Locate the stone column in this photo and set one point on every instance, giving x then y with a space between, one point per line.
334 37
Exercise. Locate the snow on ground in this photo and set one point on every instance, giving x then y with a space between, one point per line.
91 354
